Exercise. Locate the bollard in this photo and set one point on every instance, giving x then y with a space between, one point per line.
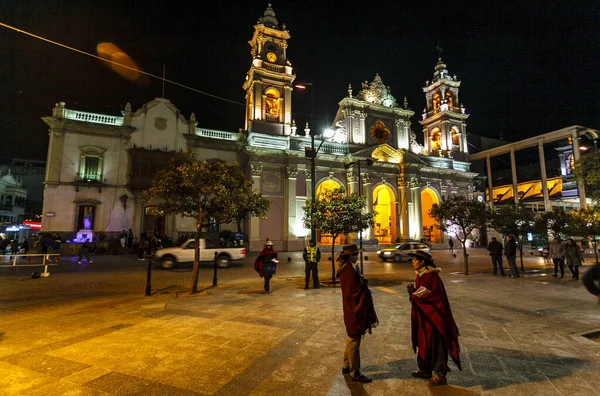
149 278
215 270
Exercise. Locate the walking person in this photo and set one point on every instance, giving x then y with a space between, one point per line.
574 257
359 311
510 251
557 253
143 246
123 238
311 256
130 236
433 329
266 264
495 248
451 245
85 252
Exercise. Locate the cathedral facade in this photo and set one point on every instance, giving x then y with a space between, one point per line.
98 165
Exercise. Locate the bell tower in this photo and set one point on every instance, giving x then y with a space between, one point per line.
268 83
444 117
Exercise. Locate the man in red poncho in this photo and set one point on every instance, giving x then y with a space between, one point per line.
434 332
266 264
359 312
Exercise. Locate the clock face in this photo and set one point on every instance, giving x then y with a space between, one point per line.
271 56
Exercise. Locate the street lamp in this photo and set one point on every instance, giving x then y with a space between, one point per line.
347 165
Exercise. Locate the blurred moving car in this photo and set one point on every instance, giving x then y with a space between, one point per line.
169 258
400 252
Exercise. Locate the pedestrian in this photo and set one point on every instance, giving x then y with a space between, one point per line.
130 236
123 238
433 329
495 248
14 247
311 256
359 311
451 245
510 251
574 257
557 253
85 252
266 264
25 245
143 246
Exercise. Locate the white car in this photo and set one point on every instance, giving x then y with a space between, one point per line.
170 257
400 252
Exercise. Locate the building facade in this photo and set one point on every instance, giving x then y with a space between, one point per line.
98 165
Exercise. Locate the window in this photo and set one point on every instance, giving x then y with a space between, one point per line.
455 137
90 163
449 98
435 139
272 101
436 101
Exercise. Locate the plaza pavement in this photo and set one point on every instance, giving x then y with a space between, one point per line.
85 331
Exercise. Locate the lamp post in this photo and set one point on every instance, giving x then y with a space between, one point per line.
347 165
312 154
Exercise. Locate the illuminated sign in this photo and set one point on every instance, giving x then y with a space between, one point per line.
34 225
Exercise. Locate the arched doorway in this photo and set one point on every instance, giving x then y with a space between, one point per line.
154 222
326 239
430 231
385 219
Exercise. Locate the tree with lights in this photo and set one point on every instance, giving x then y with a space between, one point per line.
459 216
587 171
513 218
555 223
586 223
204 190
337 213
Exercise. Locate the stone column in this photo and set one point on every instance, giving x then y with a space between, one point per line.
490 181
308 182
362 128
403 209
576 156
513 168
254 231
368 192
289 208
542 159
415 191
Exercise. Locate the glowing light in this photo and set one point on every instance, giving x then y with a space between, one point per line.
111 52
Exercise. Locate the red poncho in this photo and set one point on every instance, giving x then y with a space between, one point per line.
359 312
258 263
431 312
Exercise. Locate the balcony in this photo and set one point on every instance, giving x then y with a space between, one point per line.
89 180
7 207
93 117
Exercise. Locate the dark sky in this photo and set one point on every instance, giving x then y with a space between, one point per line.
527 67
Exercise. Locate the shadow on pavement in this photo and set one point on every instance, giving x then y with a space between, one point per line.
489 370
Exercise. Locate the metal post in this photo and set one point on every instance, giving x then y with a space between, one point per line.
360 237
149 278
215 270
313 183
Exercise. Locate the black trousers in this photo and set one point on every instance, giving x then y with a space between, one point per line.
497 263
559 263
314 267
267 275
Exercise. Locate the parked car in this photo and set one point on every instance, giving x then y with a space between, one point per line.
170 257
400 252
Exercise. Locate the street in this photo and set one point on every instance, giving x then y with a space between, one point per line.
89 329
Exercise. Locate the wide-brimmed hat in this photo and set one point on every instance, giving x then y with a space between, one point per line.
269 243
422 255
348 250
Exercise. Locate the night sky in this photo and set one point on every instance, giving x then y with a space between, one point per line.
527 67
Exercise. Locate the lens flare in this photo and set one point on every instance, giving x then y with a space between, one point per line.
113 53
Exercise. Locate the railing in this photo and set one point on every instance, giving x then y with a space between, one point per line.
93 117
213 134
454 109
273 68
47 260
272 117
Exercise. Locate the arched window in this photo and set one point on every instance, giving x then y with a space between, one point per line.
570 164
455 137
272 101
449 98
437 99
435 138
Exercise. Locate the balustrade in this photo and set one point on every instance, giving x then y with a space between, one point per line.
93 117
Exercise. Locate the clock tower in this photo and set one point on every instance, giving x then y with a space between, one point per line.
268 83
444 117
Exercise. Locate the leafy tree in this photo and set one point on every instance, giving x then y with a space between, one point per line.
336 213
587 170
459 216
516 219
555 223
586 223
251 205
204 190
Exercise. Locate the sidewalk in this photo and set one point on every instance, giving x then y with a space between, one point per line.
518 336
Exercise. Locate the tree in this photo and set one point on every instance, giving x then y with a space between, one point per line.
336 213
251 205
587 170
204 190
586 223
516 219
555 223
459 216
